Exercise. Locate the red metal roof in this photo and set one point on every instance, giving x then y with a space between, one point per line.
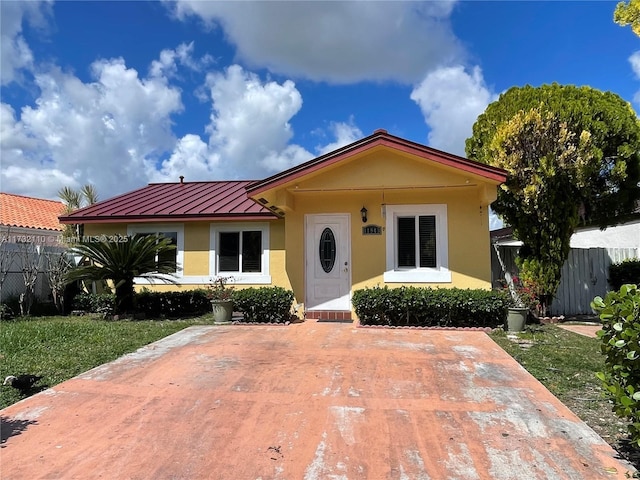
166 202
29 212
378 138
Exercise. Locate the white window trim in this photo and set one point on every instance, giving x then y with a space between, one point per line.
239 278
162 227
439 274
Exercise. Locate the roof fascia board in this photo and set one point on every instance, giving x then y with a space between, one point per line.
175 219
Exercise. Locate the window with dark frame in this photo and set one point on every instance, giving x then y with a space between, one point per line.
416 242
240 251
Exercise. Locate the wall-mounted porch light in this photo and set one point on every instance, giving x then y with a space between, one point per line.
363 214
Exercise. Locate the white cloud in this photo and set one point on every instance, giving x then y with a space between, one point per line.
170 59
15 54
345 133
249 132
634 60
451 100
49 181
340 42
192 159
108 132
116 130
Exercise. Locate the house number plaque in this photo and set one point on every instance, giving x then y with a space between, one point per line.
372 230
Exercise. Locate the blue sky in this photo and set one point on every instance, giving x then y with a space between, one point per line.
120 94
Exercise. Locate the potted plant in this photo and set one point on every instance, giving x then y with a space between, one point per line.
523 301
221 297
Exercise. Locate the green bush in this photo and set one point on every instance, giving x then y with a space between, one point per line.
619 313
452 307
625 272
189 303
6 312
95 302
264 305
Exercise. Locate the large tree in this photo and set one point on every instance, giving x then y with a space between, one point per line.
628 14
122 261
572 154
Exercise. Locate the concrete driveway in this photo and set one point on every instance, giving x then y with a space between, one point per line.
308 401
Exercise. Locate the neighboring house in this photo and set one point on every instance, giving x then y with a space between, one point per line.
28 226
585 273
380 211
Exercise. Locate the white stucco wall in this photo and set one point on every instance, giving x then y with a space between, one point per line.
620 236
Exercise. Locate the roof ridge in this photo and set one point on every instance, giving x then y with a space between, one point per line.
31 198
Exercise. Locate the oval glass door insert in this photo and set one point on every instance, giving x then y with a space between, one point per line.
327 250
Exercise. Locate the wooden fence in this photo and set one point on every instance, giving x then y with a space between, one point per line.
584 275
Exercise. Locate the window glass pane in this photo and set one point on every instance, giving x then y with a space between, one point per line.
251 251
229 252
327 250
406 242
173 254
427 229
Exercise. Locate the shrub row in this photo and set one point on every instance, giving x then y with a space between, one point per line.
95 302
453 307
264 305
189 303
619 312
152 304
625 272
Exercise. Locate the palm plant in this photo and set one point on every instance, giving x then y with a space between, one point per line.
121 262
73 200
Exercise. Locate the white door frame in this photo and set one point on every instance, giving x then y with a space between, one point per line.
330 291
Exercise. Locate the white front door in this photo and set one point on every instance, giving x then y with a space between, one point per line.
328 262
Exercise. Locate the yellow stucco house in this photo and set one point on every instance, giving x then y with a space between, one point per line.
380 211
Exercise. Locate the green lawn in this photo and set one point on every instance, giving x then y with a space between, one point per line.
59 348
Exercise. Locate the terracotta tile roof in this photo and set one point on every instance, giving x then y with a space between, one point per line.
168 202
29 212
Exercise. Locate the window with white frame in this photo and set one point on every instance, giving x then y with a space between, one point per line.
175 233
241 251
416 244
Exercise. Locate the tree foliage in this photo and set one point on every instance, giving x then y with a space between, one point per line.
628 14
614 129
121 262
547 166
572 156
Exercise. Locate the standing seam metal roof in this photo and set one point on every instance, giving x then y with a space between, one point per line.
224 199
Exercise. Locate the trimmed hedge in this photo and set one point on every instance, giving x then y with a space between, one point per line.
451 307
264 304
625 272
95 302
620 336
189 303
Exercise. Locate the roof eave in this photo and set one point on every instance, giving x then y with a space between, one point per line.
169 218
